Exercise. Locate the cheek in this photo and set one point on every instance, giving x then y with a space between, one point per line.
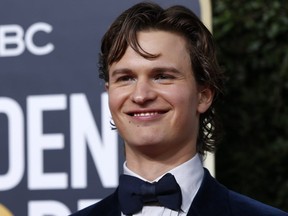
116 100
184 98
113 102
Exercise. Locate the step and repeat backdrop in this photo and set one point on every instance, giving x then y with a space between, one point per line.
57 151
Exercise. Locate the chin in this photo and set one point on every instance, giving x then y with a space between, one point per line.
149 148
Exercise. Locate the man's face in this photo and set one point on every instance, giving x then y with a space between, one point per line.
156 103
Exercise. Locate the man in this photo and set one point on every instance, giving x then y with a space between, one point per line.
162 79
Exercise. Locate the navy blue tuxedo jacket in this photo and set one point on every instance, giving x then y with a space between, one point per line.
212 199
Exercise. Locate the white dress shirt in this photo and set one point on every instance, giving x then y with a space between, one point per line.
188 175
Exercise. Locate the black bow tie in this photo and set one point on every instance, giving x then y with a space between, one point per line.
134 193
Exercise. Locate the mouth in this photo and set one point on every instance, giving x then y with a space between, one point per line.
146 114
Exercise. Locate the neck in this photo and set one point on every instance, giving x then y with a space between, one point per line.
152 165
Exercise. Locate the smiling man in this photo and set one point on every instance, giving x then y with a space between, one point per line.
162 80
156 103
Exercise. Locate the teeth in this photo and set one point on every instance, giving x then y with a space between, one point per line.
145 114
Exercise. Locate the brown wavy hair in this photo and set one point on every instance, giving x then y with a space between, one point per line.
182 21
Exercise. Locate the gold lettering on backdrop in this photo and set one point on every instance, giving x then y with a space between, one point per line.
4 211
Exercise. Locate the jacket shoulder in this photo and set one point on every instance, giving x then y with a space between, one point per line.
215 199
243 205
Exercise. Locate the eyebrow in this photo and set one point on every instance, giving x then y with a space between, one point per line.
120 71
153 70
165 69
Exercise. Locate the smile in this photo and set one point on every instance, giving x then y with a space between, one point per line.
145 114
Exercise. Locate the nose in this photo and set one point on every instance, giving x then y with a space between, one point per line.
143 92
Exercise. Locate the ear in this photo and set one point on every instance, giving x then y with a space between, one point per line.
205 99
106 86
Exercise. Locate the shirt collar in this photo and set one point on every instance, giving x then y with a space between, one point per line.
188 175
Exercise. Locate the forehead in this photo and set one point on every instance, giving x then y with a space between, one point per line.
153 41
167 47
157 43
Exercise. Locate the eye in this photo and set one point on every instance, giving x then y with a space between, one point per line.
125 78
163 77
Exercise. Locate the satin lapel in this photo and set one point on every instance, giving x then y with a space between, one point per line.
211 199
114 205
107 207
